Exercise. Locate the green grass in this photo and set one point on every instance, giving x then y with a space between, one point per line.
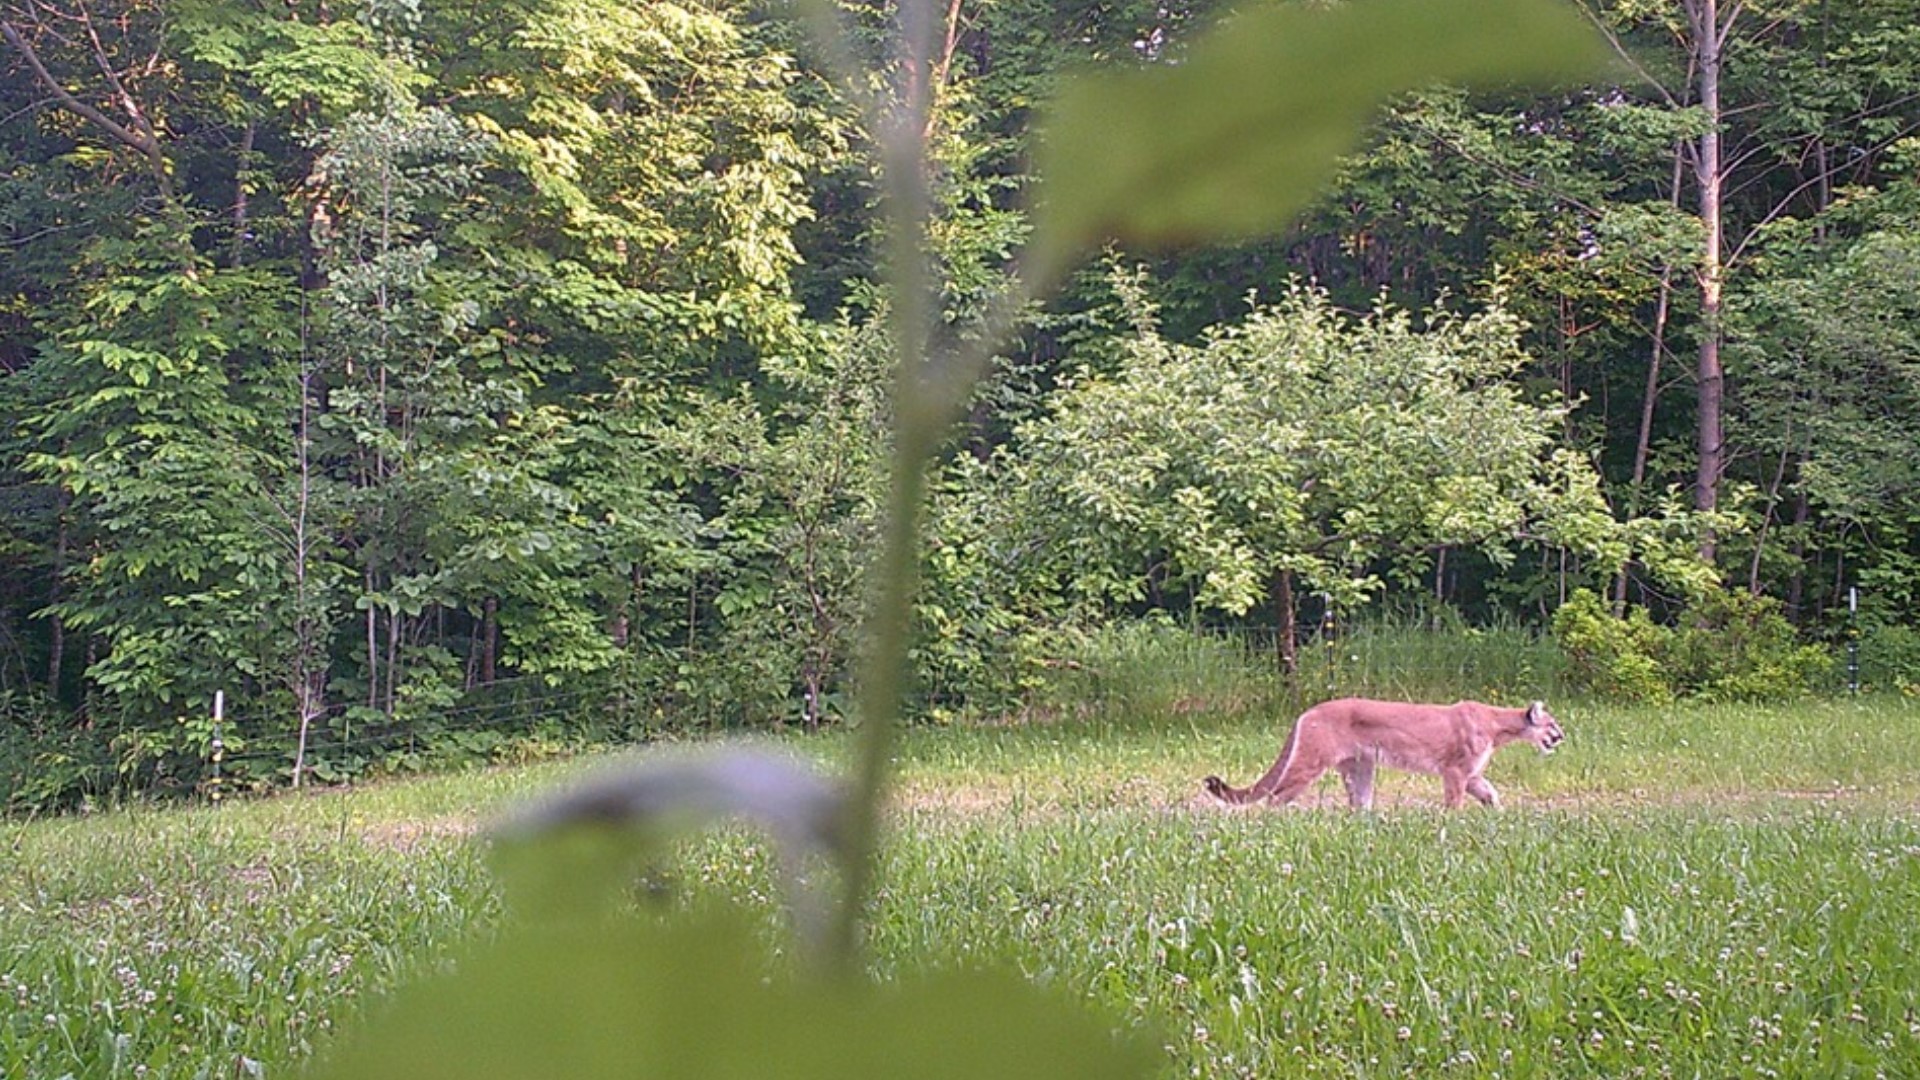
1677 940
194 942
1715 891
1867 749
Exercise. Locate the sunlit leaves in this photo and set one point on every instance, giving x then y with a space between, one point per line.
655 146
1234 138
1306 441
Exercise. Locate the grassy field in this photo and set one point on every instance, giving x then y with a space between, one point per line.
1711 891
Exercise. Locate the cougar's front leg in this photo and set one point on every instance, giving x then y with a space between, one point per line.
1357 774
1480 789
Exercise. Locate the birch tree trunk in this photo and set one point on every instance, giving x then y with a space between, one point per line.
1709 39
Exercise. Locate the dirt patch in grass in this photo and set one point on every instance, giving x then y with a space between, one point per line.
977 799
409 836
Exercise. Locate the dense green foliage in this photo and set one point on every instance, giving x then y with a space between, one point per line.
357 360
1731 647
256 934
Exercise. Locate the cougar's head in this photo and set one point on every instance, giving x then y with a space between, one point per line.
1542 729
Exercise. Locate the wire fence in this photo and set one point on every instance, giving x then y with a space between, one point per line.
1324 658
344 734
523 716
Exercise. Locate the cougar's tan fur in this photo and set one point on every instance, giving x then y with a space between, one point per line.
1454 742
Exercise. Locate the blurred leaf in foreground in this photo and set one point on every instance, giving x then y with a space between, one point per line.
581 985
690 997
578 851
1234 138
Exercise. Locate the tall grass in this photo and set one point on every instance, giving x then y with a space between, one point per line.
222 941
1670 941
1155 668
1144 667
1407 659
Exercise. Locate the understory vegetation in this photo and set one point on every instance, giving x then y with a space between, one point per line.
1715 889
1142 666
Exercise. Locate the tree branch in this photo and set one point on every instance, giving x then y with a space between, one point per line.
1780 207
1621 51
127 102
943 66
145 144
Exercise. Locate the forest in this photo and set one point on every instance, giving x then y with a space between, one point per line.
364 364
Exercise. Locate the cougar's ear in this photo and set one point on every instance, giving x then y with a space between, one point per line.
1534 712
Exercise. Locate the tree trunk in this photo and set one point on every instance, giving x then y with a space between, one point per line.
373 649
1643 443
309 674
394 633
310 700
56 650
1797 585
1286 643
1768 521
243 175
489 639
56 625
1708 40
810 677
92 657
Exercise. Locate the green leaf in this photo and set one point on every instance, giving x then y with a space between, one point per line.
690 998
1234 138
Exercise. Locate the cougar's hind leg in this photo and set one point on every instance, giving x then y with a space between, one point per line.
1262 789
1294 782
1357 774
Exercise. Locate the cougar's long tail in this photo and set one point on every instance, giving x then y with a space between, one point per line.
1262 787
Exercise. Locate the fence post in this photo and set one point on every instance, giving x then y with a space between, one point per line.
1853 640
218 747
1326 637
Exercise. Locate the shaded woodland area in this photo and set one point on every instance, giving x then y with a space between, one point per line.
356 359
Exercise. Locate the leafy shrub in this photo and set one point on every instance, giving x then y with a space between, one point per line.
50 761
1735 646
45 762
1728 646
1890 659
1612 657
